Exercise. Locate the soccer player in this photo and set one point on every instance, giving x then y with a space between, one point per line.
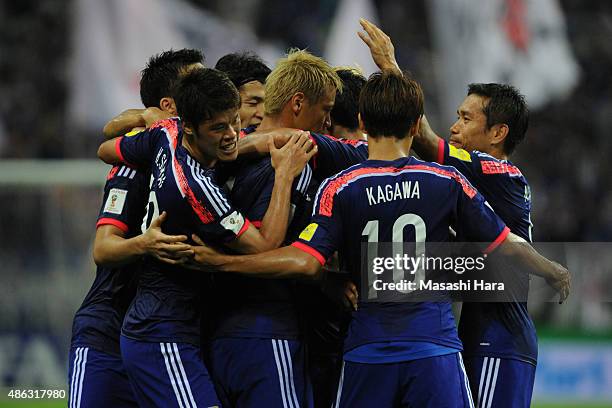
393 349
499 338
96 376
257 320
344 122
160 341
248 72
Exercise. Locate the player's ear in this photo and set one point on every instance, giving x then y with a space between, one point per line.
188 129
167 104
499 132
361 125
297 102
414 129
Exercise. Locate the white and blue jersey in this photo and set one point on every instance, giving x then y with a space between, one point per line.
167 304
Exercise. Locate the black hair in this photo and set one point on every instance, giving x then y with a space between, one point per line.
203 93
505 105
162 72
346 107
243 67
390 104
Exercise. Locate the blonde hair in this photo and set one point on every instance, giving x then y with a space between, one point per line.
299 71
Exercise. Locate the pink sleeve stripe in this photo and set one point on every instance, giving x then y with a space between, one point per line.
118 149
111 221
441 146
309 250
502 236
245 227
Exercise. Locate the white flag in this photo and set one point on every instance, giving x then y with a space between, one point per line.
343 46
113 40
520 42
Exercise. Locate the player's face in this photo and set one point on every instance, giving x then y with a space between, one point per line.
316 116
252 103
469 132
218 137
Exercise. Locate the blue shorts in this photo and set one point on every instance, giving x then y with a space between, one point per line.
167 374
260 373
500 382
433 382
97 379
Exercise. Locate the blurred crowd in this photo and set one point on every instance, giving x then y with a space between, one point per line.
564 156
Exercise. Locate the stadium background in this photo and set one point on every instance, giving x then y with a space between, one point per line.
67 65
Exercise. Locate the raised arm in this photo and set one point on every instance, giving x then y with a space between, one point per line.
426 143
380 45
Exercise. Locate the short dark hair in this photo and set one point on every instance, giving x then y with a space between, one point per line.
390 104
243 67
203 93
161 74
505 105
346 107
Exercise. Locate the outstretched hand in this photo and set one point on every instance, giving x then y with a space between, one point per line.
381 47
170 249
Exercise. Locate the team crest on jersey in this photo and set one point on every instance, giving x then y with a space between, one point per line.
309 231
233 222
459 153
115 201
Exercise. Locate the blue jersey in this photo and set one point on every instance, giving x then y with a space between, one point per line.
405 200
258 308
97 323
251 307
497 329
335 155
167 303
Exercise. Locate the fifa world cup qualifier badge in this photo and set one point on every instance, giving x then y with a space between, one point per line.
115 201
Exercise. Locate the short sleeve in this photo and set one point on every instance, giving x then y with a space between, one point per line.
335 155
321 238
125 195
139 150
467 163
219 220
476 220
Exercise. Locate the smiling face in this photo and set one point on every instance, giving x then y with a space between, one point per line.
217 138
252 103
470 131
316 116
